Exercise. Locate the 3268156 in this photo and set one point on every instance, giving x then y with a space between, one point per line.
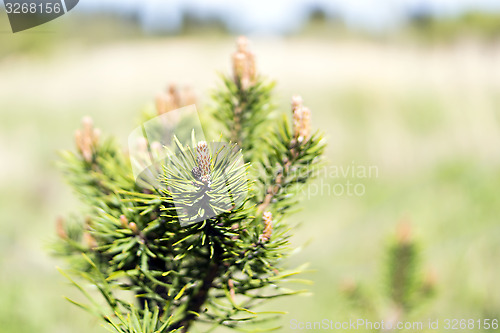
469 324
33 8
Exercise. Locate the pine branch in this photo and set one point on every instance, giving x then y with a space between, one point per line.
200 234
293 162
199 298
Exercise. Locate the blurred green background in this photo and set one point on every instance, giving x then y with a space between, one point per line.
421 104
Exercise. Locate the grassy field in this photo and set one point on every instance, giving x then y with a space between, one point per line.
426 117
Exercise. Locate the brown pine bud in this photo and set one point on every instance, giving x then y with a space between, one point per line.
252 70
89 240
133 227
305 126
404 233
96 136
239 66
203 159
88 126
173 99
296 101
301 119
196 172
124 221
242 44
297 121
232 293
188 96
163 103
205 178
268 227
244 69
60 228
87 139
174 95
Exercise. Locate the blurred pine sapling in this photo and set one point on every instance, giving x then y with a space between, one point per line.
407 286
157 274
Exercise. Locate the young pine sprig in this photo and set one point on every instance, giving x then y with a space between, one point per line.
294 154
243 103
406 287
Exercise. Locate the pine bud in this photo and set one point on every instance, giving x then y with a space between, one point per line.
60 228
242 44
239 66
89 240
305 128
133 227
97 136
301 119
297 120
203 159
404 233
232 293
164 103
88 125
188 96
174 94
205 178
168 101
268 227
244 69
196 172
296 102
124 221
87 139
173 99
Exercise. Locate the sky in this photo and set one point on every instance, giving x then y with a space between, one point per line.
282 16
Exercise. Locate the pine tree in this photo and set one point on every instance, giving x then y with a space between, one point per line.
158 274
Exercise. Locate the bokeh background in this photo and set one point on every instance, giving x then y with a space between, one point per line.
409 87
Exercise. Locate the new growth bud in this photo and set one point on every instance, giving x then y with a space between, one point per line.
268 227
87 236
404 233
124 221
296 101
348 286
87 139
128 225
133 227
173 99
305 126
244 70
60 228
232 293
301 119
89 240
203 159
